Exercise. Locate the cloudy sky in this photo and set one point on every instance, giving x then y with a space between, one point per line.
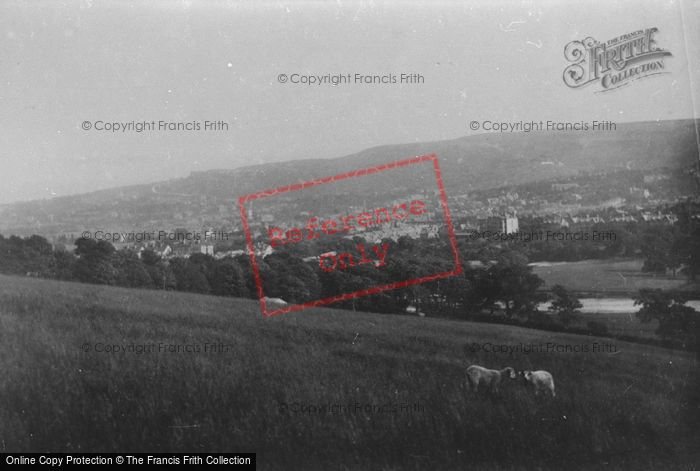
63 63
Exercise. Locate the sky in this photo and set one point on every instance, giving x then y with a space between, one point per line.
66 63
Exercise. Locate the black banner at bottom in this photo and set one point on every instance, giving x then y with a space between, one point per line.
242 461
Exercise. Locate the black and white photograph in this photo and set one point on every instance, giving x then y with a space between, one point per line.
350 235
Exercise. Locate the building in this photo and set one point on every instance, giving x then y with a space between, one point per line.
587 219
505 224
185 250
206 249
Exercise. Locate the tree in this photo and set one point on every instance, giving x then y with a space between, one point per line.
159 270
289 278
29 255
150 258
676 320
515 285
162 276
37 254
353 283
63 264
189 276
458 292
131 271
94 264
687 239
656 249
481 289
565 304
90 248
205 264
227 279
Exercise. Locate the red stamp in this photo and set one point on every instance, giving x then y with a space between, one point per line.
333 213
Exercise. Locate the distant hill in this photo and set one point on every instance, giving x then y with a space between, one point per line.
471 163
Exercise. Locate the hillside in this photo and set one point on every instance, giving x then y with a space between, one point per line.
472 163
60 394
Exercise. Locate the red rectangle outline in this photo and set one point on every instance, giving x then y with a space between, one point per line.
343 176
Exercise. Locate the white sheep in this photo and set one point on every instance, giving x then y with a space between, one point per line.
541 380
478 375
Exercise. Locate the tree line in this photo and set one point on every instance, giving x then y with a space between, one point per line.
503 279
664 247
496 283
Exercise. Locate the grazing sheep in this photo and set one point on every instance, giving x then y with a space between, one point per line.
478 375
541 380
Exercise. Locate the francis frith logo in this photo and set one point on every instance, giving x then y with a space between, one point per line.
614 63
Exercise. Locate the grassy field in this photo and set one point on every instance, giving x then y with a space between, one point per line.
620 324
635 409
610 277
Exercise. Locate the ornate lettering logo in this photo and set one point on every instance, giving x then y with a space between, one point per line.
615 63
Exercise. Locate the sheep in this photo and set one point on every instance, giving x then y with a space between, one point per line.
478 375
541 380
